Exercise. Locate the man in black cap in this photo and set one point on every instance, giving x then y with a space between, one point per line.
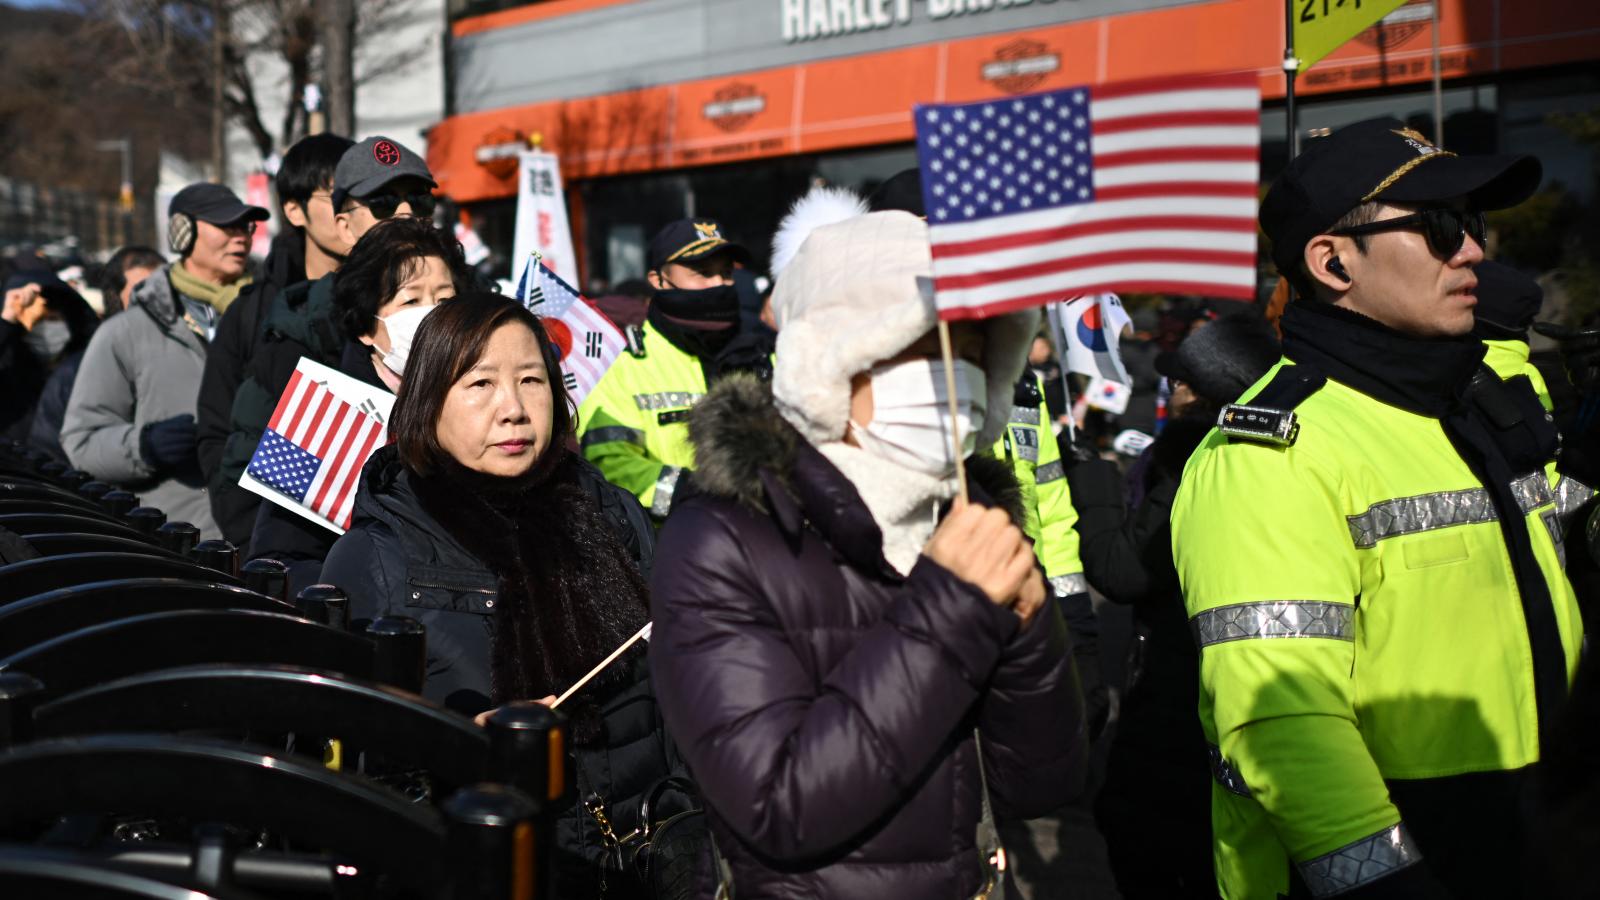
1369 547
130 420
375 179
635 421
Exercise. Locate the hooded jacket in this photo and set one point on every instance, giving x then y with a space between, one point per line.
142 366
399 559
826 703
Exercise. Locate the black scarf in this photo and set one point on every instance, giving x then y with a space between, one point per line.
569 593
1497 427
700 323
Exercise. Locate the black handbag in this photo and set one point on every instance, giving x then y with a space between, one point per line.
662 858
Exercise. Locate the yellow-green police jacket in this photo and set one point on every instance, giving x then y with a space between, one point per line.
1358 620
1509 359
1029 444
634 425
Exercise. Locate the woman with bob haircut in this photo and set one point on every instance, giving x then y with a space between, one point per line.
480 521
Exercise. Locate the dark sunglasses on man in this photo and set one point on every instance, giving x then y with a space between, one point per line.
1446 229
384 205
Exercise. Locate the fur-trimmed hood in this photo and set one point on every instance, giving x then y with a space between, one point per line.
745 451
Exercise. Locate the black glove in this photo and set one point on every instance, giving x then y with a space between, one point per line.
168 446
1580 354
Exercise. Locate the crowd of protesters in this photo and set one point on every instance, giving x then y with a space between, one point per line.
870 645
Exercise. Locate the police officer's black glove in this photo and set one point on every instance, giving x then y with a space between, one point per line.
1580 354
168 446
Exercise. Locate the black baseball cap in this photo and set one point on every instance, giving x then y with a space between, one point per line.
687 240
367 167
207 202
1381 159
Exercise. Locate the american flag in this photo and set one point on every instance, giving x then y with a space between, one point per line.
586 339
314 447
1147 186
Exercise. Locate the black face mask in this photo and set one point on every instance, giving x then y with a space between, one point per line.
698 322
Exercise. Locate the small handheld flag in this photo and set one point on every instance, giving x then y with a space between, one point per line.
324 428
1091 331
586 339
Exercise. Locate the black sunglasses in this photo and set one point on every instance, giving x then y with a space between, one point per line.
384 205
1446 229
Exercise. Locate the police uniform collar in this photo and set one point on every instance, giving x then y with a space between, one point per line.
1423 375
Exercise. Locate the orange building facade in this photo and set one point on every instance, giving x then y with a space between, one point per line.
847 73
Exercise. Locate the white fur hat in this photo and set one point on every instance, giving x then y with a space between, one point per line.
858 292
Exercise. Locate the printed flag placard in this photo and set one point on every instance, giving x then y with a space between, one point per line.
1147 186
324 428
588 342
1108 396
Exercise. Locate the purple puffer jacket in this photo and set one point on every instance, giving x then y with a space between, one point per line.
826 704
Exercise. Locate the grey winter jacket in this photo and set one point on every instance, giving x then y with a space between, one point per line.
142 366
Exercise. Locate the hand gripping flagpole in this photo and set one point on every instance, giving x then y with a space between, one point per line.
955 411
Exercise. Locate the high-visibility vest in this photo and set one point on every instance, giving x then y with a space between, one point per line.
634 425
1359 622
1028 443
1509 359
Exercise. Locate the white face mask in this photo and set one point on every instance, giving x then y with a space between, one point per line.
911 414
402 327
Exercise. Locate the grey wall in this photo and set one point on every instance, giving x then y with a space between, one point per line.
650 42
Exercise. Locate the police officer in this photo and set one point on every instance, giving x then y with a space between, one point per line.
1508 302
634 424
1368 547
1029 444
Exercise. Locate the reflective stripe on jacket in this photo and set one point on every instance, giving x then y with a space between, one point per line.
1360 626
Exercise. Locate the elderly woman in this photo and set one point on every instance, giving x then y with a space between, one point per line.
856 663
390 282
525 566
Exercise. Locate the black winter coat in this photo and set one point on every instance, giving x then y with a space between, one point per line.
299 321
232 348
398 559
825 703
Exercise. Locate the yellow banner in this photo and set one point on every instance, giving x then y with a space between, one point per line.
1320 26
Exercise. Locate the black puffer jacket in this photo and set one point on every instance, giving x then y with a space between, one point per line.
825 703
398 559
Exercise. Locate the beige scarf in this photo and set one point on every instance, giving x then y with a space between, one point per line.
219 297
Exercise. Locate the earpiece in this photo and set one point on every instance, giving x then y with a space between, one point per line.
1337 268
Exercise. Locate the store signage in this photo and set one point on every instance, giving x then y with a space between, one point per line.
731 108
501 151
1399 26
1019 67
809 20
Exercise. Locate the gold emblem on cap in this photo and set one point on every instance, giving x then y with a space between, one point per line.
707 230
1425 151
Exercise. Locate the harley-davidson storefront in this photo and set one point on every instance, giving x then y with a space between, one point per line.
732 108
